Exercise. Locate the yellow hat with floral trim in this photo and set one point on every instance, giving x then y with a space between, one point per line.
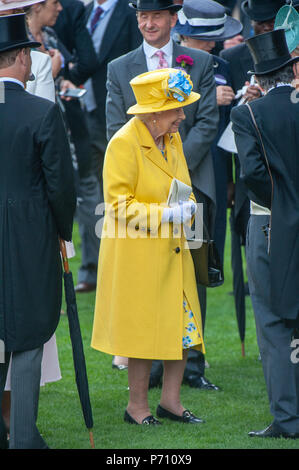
162 89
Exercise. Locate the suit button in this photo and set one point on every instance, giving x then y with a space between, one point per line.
177 250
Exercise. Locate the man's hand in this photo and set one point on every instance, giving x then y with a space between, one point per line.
253 92
225 95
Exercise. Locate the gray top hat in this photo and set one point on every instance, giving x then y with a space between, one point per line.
206 20
261 10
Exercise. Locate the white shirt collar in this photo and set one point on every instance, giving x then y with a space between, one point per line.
105 6
10 79
279 85
150 50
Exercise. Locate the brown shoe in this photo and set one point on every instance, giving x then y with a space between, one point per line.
85 287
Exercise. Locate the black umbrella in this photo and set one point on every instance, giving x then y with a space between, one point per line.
238 279
77 343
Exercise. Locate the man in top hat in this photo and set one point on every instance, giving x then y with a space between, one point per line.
155 20
262 16
37 203
268 153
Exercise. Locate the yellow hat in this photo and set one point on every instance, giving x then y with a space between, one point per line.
162 89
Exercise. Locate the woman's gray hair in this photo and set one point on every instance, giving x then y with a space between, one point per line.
284 75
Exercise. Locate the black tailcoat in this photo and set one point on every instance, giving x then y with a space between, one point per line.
277 116
37 203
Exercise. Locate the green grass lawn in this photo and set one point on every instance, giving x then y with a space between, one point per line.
239 407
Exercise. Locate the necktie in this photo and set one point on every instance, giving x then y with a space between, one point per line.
96 16
162 61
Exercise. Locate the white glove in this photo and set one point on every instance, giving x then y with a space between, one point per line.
180 213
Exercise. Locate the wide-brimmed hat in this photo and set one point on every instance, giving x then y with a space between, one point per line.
160 90
269 52
206 20
155 5
261 10
287 19
13 4
13 34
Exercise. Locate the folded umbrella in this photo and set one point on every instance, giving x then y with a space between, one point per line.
77 344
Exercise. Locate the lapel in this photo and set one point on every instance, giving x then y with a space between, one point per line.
138 62
179 50
153 153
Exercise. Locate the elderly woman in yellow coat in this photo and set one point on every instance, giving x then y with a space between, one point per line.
146 301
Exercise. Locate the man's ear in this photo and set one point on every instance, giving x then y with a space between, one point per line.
174 18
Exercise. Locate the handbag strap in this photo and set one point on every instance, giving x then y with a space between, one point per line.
268 168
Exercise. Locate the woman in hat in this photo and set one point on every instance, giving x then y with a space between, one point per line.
146 302
287 18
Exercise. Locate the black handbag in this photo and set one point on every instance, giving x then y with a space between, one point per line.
206 260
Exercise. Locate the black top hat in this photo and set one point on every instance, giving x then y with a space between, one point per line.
13 33
206 20
269 52
154 5
262 10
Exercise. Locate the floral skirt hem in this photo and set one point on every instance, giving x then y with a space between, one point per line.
191 335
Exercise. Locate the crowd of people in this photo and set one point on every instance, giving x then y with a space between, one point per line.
211 87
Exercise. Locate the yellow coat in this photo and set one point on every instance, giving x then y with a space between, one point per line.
141 277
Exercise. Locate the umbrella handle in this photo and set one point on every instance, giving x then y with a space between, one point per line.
64 255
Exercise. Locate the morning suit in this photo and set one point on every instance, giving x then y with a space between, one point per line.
221 159
197 132
274 279
37 203
240 62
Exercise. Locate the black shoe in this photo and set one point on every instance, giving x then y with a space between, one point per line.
187 416
199 382
270 431
149 420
